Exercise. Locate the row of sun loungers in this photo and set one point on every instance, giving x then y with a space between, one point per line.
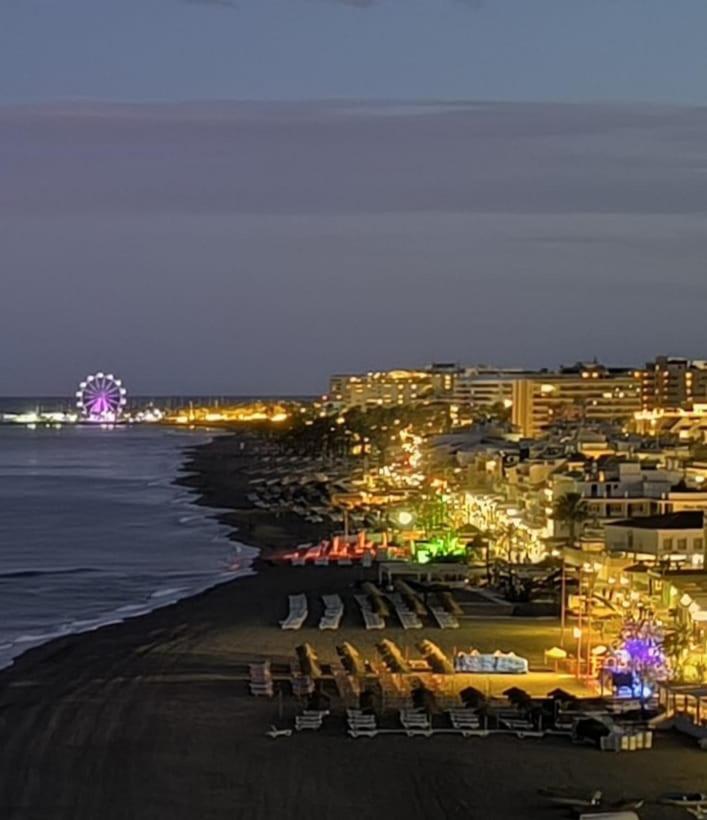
333 612
298 612
371 619
372 608
414 722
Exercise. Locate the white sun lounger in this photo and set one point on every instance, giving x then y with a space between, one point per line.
298 612
407 617
274 732
445 620
333 612
371 619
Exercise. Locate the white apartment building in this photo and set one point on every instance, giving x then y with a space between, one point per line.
675 536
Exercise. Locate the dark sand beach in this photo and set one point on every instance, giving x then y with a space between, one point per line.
150 719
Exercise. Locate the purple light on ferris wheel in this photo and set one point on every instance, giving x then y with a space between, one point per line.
101 398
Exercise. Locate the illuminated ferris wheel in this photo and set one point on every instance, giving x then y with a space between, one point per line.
101 398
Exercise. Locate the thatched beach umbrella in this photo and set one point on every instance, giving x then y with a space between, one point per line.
424 698
351 659
562 695
518 697
473 698
393 657
308 660
434 656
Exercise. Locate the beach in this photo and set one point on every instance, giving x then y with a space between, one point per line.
151 718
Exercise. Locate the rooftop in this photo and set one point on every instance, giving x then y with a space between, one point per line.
687 520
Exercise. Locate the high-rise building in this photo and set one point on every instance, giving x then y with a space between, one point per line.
485 387
581 393
672 383
390 387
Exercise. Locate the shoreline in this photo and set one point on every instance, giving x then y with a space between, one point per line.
159 597
151 718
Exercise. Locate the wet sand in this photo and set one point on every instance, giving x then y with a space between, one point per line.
151 719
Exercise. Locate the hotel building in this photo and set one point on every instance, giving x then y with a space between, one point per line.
584 392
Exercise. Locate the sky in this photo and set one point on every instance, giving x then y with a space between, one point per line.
371 49
242 198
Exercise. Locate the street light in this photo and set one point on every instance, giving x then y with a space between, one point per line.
577 633
405 518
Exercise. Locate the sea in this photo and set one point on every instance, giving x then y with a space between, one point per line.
93 530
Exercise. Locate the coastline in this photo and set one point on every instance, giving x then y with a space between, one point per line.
168 589
150 718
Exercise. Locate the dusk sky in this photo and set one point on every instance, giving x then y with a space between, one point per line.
154 224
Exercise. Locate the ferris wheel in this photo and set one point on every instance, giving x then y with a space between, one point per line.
101 397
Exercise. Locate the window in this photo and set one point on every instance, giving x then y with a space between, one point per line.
682 544
698 544
667 544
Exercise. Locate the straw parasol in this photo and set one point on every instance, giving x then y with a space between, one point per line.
518 697
393 657
351 659
473 698
308 660
437 660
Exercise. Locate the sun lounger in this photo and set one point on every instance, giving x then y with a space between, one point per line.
464 719
445 620
333 612
310 722
519 724
413 719
407 617
361 724
298 612
371 619
274 732
409 620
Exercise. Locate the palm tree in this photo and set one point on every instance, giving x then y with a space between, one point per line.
571 510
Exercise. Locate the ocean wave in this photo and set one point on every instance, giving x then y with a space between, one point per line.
35 573
163 593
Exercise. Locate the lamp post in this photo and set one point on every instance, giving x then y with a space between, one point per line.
563 601
577 634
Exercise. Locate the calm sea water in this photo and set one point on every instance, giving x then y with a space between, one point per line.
92 530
